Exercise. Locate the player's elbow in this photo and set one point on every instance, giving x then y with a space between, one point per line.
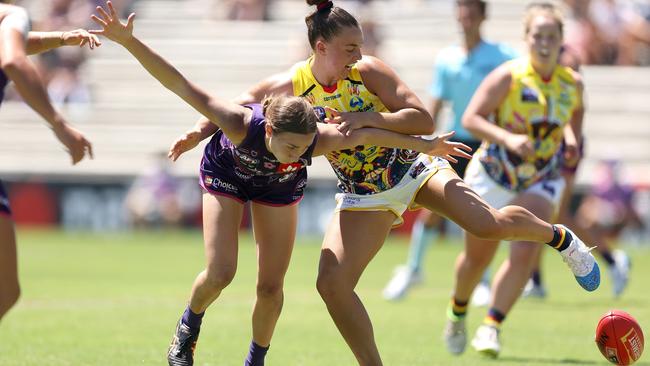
12 65
468 122
428 125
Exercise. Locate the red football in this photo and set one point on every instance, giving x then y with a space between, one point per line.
619 338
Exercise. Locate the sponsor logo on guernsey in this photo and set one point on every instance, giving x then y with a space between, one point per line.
288 168
320 112
208 180
332 97
353 89
632 343
301 184
529 95
247 159
269 165
287 177
241 175
356 102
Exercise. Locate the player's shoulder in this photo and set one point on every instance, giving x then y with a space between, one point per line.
370 66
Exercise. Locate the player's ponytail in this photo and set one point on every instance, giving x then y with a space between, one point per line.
327 21
289 114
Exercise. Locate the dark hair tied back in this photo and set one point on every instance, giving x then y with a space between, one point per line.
325 6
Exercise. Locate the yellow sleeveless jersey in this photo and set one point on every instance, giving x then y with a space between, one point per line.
367 169
539 109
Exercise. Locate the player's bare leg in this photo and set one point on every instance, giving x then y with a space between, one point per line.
9 287
351 241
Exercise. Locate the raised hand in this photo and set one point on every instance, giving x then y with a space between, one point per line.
185 143
112 28
80 37
74 141
442 147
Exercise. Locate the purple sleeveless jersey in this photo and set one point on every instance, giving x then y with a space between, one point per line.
249 172
4 199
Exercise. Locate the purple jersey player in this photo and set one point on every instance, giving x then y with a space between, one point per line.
249 171
16 42
258 155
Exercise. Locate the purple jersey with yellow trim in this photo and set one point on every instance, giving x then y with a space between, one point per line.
249 171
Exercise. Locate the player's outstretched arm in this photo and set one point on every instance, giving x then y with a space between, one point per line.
23 73
39 42
332 139
278 84
228 116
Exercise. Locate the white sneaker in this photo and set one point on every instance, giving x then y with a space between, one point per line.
620 271
486 341
534 291
481 295
402 280
455 336
582 263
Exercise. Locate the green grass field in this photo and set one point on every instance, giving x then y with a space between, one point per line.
114 299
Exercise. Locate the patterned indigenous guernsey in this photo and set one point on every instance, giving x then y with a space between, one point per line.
4 199
539 109
367 169
250 171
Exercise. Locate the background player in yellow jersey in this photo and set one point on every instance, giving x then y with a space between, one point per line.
459 70
617 260
377 184
16 42
535 104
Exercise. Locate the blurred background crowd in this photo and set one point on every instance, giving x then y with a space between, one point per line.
231 44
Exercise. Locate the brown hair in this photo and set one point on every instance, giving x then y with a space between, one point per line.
543 8
482 5
327 21
289 114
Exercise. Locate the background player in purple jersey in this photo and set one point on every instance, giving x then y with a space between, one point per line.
337 75
16 42
259 154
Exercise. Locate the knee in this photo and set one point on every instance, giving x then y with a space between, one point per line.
329 284
269 290
218 279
